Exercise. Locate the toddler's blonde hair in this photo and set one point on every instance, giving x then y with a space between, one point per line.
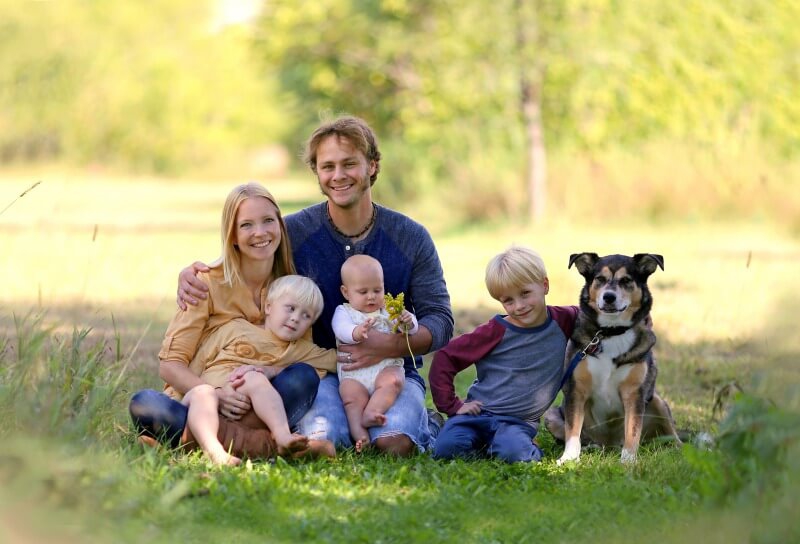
303 289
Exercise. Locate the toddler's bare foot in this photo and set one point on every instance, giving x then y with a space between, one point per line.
362 444
224 459
293 445
371 418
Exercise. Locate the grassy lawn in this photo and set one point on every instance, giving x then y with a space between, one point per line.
84 254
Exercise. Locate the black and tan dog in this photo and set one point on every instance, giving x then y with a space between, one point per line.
609 387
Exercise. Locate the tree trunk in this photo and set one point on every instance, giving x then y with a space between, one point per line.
531 77
536 157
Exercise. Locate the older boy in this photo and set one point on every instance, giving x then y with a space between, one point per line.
519 358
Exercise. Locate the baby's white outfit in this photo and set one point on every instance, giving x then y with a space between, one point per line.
345 319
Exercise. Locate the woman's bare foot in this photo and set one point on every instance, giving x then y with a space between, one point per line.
291 446
371 418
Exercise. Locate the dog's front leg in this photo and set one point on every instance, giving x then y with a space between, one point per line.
574 409
633 402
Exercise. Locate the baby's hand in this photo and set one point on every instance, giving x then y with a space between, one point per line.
405 320
360 332
472 408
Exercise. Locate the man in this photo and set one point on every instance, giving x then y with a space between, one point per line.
344 155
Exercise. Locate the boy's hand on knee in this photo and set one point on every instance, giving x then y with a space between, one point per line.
472 408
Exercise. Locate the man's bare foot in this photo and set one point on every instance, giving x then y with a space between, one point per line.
148 441
294 444
371 418
319 448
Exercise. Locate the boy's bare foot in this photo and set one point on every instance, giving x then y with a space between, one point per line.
371 418
295 444
148 441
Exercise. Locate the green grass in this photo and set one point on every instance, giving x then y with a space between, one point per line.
69 467
92 278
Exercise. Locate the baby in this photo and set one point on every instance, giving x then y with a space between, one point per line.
367 393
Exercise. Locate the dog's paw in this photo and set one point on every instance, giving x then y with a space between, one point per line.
627 457
564 459
572 451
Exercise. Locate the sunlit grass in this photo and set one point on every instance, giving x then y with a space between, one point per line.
99 257
122 241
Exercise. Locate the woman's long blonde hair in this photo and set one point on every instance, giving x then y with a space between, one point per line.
231 256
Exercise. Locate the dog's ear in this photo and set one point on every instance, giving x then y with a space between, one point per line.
584 262
646 263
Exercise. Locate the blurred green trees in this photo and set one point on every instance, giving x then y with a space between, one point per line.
441 81
148 86
157 87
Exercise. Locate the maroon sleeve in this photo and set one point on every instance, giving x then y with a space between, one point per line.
459 354
565 316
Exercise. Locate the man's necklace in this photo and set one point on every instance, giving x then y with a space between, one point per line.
363 231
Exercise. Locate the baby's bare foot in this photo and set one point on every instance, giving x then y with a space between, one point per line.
362 444
293 444
372 418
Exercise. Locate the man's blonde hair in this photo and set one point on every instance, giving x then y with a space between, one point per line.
514 267
302 289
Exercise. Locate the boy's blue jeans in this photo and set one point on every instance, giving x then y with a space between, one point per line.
157 415
487 435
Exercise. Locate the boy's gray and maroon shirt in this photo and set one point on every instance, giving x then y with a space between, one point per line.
403 247
519 369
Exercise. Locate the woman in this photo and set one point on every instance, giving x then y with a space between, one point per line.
255 250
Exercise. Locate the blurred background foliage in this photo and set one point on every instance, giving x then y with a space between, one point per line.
684 107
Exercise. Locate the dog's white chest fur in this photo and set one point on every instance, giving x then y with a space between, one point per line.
607 377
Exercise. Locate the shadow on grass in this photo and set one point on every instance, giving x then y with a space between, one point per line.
63 397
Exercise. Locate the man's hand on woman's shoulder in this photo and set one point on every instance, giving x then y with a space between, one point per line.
190 287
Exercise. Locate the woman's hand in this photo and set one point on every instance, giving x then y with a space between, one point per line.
472 408
190 287
232 404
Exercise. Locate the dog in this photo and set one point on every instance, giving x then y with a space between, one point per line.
610 397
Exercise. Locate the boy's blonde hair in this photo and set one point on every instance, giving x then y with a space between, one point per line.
303 289
514 267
